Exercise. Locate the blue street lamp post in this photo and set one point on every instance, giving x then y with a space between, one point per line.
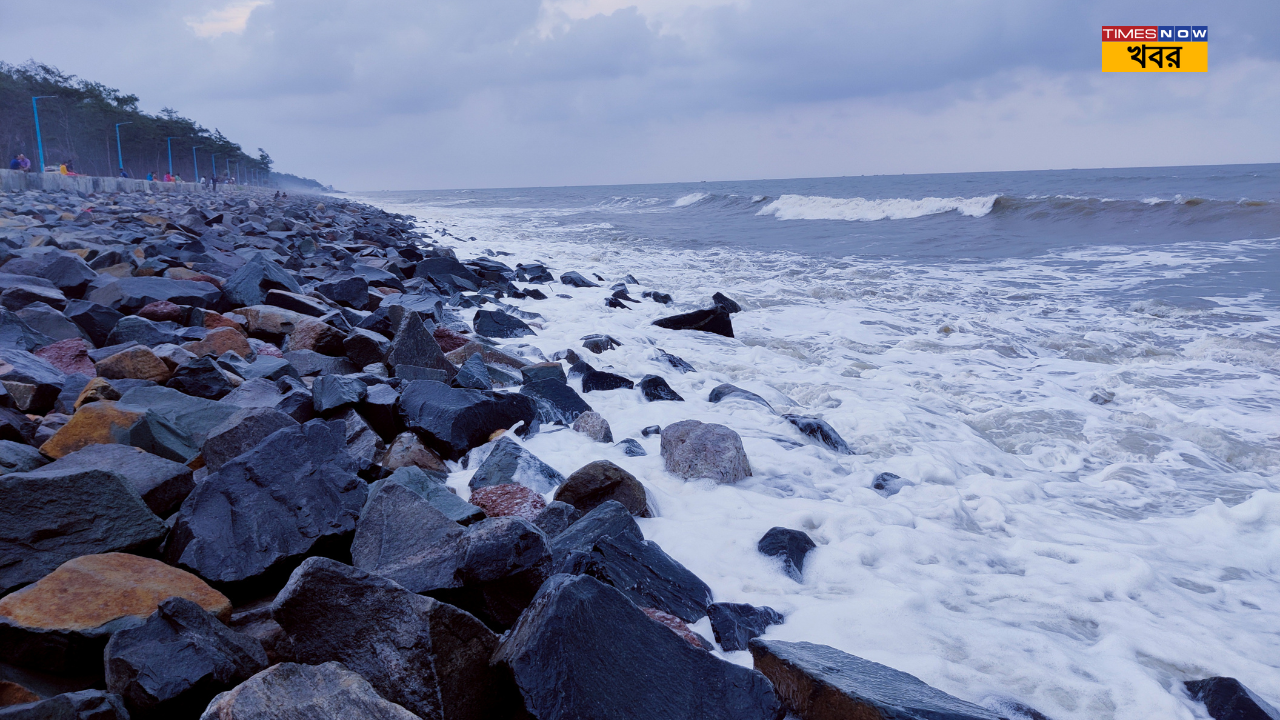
195 164
213 160
39 142
169 142
119 153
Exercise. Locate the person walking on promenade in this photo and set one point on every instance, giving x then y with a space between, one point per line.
24 162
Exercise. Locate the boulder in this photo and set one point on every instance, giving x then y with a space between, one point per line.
365 347
317 336
136 363
202 378
505 560
679 627
218 341
599 343
722 301
643 572
70 356
408 451
249 284
819 430
500 325
163 311
178 659
130 294
733 392
298 303
270 323
575 279
19 457
93 391
363 444
556 517
734 624
692 449
790 547
61 623
142 331
163 484
452 421
379 408
415 345
45 320
557 402
295 494
886 484
631 447
430 487
97 321
334 392
600 482
16 296
430 657
289 691
193 416
712 320
594 380
593 425
121 423
350 291
607 520
510 462
816 681
16 333
655 388
41 382
1228 699
404 537
542 371
240 433
82 704
310 362
508 500
583 650
473 374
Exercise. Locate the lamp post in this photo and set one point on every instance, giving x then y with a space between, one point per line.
213 160
119 153
39 142
195 164
169 142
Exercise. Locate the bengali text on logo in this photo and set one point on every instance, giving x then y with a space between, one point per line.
1155 48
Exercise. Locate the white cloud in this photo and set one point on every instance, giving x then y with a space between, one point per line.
230 18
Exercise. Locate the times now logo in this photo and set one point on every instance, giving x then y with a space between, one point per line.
1157 33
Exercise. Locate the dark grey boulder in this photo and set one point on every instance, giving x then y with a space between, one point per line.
583 650
97 321
163 484
789 546
556 517
601 481
45 380
610 518
500 325
722 301
655 388
658 297
504 562
131 294
404 537
137 329
301 304
1228 699
310 362
16 333
425 655
712 320
599 343
452 421
651 430
28 290
473 374
69 273
639 568
202 378
558 404
675 362
247 525
351 291
363 444
269 368
542 371
431 487
509 462
409 373
290 691
819 430
733 392
177 660
249 284
194 416
414 344
49 322
80 705
631 447
379 409
594 380
734 624
48 517
240 433
334 392
816 681
19 457
365 347
887 484
576 279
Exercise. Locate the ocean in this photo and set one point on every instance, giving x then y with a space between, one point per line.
1077 372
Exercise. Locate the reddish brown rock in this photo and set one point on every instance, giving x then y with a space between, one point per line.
312 334
106 421
488 354
449 340
12 693
137 362
213 320
218 341
95 390
71 356
408 451
162 311
508 500
678 627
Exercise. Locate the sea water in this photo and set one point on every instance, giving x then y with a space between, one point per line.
1078 373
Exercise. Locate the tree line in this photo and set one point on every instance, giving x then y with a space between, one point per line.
78 125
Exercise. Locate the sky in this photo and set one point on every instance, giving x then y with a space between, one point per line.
420 94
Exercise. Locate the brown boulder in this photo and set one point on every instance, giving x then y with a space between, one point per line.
596 483
137 362
508 500
488 354
315 335
12 693
449 340
162 311
218 341
71 356
407 450
95 390
107 421
213 320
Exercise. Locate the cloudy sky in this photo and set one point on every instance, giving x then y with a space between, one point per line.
415 94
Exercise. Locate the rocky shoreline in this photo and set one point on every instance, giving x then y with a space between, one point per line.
227 430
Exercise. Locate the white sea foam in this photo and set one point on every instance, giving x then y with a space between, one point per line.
689 199
807 207
1155 200
1083 559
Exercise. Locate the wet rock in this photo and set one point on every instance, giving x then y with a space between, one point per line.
650 430
351 291
202 378
130 294
69 356
1228 699
1102 397
137 362
658 297
163 311
542 371
451 421
97 321
17 457
408 451
86 704
679 627
240 433
295 494
405 537
106 422
430 657
599 343
723 302
642 571
365 347
178 659
510 462
415 345
473 374
449 339
500 325
734 624
317 336
61 623
363 444
631 447
655 388
583 650
430 487
557 402
886 484
733 392
142 331
506 560
304 692
819 430
249 285
508 500
675 362
593 425
712 320
556 517
163 484
193 416
692 449
219 341
309 362
789 546
332 392
607 520
576 279
601 481
44 380
594 380
816 681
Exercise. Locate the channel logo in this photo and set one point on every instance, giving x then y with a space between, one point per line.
1155 48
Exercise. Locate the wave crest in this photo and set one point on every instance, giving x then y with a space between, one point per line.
805 207
689 199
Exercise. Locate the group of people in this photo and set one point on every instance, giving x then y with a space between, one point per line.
165 178
20 162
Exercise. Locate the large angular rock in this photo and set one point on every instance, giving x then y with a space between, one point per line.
365 347
318 336
135 363
473 374
557 402
407 450
713 320
452 421
1228 699
295 494
69 273
819 430
734 624
43 381
97 321
201 378
500 325
609 519
163 484
575 279
693 449
644 573
543 371
178 659
130 294
431 487
61 623
816 681
18 457
105 421
593 425
583 650
218 341
406 538
598 482
790 547
733 392
415 345
509 500
79 705
49 517
594 380
556 517
509 462
16 333
504 562
290 691
70 356
249 285
334 392
16 296
423 654
240 433
193 416
142 331
655 388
